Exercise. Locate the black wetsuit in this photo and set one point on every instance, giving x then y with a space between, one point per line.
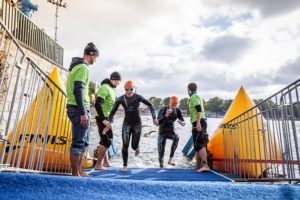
132 122
166 131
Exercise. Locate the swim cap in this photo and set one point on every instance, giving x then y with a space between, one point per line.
128 84
173 100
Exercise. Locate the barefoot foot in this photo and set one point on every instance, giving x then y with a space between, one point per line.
85 175
82 174
137 152
171 163
106 164
100 168
124 169
203 169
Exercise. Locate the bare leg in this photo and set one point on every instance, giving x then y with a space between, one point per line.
102 152
124 169
203 156
198 160
106 160
81 168
74 164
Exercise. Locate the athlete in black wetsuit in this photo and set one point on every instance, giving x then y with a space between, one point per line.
166 117
132 124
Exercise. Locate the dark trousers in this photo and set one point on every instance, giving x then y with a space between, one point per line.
199 138
80 134
105 140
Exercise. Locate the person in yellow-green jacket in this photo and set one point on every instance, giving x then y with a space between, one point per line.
106 97
199 125
78 104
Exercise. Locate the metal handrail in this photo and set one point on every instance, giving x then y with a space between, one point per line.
29 33
262 143
294 84
34 128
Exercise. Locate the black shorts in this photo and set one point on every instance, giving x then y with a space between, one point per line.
106 139
199 137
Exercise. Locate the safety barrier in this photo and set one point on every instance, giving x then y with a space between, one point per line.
30 34
262 144
35 132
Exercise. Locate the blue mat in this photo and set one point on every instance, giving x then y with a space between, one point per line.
158 174
36 186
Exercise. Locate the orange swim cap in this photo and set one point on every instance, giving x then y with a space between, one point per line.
173 100
128 84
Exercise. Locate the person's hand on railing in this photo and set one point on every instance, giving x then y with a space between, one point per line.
12 2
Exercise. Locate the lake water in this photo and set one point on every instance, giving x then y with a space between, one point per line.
148 157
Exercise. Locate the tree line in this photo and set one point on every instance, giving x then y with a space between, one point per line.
215 104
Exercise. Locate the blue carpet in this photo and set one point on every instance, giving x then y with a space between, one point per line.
157 174
36 186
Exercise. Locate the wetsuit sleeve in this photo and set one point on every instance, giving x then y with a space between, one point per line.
161 116
78 87
148 103
179 116
98 106
198 108
114 110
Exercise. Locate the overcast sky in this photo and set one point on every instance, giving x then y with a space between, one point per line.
162 45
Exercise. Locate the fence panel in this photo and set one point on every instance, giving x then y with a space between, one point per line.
262 144
35 132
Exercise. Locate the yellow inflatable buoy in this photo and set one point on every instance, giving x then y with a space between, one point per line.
46 131
247 143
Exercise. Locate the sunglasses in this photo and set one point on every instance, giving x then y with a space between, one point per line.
127 89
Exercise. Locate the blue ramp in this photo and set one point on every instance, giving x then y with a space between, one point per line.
158 174
37 186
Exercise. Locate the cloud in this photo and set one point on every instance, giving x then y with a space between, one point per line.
222 22
267 8
163 45
150 73
170 41
227 48
288 72
217 21
225 84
